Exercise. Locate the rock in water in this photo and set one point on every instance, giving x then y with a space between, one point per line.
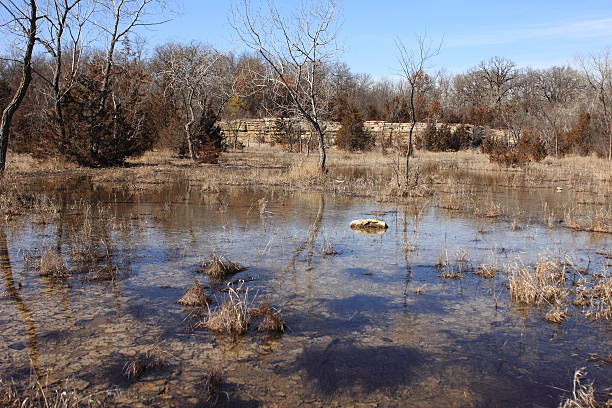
369 223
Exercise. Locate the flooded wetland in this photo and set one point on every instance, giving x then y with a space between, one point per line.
492 304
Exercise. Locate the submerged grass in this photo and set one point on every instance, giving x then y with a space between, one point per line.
137 366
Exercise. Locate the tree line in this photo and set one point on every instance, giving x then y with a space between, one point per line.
80 83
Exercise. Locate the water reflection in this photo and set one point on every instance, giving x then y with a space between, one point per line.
26 315
357 329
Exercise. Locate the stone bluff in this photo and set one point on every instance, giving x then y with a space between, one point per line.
250 131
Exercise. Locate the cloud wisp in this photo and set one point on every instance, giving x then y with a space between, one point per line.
583 29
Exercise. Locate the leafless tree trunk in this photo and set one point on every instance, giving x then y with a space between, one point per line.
296 51
413 66
64 17
194 80
25 19
598 71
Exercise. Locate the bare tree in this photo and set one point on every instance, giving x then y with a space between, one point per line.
22 18
297 50
413 65
598 72
117 19
555 88
190 72
66 21
499 74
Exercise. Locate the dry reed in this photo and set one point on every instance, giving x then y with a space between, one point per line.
544 283
583 395
232 317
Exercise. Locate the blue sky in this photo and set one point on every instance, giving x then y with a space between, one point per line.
536 33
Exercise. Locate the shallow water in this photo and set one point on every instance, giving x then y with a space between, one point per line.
358 333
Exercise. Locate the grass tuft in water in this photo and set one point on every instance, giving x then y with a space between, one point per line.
269 318
583 395
195 296
232 317
218 267
544 283
137 366
50 264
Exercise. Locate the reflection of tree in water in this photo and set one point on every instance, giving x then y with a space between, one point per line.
22 307
310 242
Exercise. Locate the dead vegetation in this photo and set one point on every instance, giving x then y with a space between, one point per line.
219 267
38 394
212 389
456 268
50 264
269 318
556 314
15 200
138 365
583 394
544 283
235 315
195 296
232 316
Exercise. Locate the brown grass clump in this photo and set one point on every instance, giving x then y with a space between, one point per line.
104 273
269 318
486 271
232 317
51 264
195 296
36 394
556 314
455 269
219 267
583 395
544 283
601 299
212 386
135 367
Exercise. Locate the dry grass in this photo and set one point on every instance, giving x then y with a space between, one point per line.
195 296
232 317
598 221
455 269
556 314
218 267
104 273
486 271
36 394
16 200
50 264
269 318
212 393
137 366
583 395
601 299
543 283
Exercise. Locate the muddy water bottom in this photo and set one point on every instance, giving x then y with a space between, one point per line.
373 325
